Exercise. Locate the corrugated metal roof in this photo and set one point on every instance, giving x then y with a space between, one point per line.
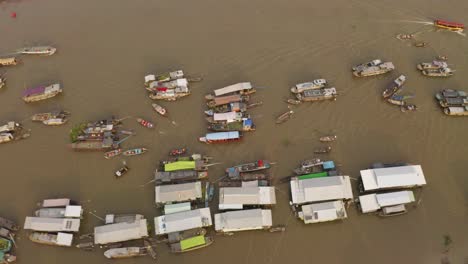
223 135
243 220
320 189
120 232
373 202
178 192
233 88
250 195
323 212
182 221
52 224
393 177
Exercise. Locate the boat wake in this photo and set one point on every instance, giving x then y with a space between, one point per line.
428 23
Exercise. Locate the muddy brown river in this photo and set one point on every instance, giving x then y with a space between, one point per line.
106 47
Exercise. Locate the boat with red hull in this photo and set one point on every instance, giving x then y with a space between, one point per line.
452 26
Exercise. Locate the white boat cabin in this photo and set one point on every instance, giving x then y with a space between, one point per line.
243 220
392 178
320 189
373 202
182 221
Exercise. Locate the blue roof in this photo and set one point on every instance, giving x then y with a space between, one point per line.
328 165
223 135
248 122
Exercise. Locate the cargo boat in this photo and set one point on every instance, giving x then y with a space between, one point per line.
221 137
41 93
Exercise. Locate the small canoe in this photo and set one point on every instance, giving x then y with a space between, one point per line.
145 123
328 138
135 151
159 109
112 153
293 102
39 50
420 44
284 117
177 152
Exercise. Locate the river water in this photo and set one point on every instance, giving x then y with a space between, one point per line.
106 47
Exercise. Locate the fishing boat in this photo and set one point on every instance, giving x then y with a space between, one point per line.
145 123
38 50
179 176
221 137
451 26
166 94
443 72
457 101
434 65
126 252
323 150
421 44
8 224
450 93
8 61
41 93
315 84
52 239
226 117
394 86
397 99
248 167
383 67
245 125
112 153
222 100
192 243
41 117
177 152
2 81
244 88
408 108
284 117
159 109
330 138
164 77
456 111
121 172
135 151
317 95
230 107
310 166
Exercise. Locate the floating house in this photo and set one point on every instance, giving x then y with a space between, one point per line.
71 211
120 232
392 178
238 197
320 189
161 177
322 212
178 192
47 224
182 221
238 88
243 220
374 202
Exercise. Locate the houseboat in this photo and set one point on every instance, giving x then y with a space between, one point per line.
164 77
72 211
170 94
389 178
182 221
245 125
47 224
456 111
52 239
320 189
59 202
167 177
41 93
175 193
322 212
190 244
365 65
244 88
386 204
378 69
226 117
104 145
315 84
237 198
221 137
243 220
451 26
38 50
120 232
317 95
394 86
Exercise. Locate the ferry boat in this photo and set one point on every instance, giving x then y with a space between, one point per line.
41 93
221 137
39 50
452 26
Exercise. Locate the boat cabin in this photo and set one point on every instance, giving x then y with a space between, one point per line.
182 221
243 220
370 203
240 88
238 197
120 232
392 178
181 192
322 212
71 211
221 137
319 189
48 224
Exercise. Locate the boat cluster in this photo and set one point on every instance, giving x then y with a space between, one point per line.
168 86
312 92
453 102
227 113
393 96
436 68
37 50
7 240
12 131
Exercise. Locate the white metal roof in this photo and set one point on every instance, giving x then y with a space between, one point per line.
120 232
150 78
243 220
178 192
177 208
62 202
182 221
64 239
320 189
233 88
52 224
373 202
323 212
251 195
229 116
394 177
73 211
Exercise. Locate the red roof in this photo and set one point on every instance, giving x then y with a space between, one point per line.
449 24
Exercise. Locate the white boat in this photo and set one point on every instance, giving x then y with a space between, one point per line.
38 50
432 65
126 252
315 84
374 70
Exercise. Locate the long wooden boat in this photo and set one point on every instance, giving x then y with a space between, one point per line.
159 109
192 243
165 177
245 125
383 67
394 86
145 123
397 99
284 117
442 72
230 107
134 152
126 252
8 224
221 137
317 95
450 93
170 94
104 145
249 176
329 138
222 100
248 167
456 111
244 88
436 64
452 26
2 82
41 93
457 101
113 153
38 50
52 239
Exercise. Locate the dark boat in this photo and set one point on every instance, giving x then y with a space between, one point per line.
122 171
394 86
284 117
8 224
248 167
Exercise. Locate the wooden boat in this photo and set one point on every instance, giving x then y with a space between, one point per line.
231 107
8 61
88 246
443 72
6 233
52 239
177 152
405 36
392 210
164 77
8 224
451 26
5 248
421 44
190 244
126 252
315 84
394 86
450 93
330 138
12 131
159 109
2 81
168 85
397 99
371 63
277 228
284 117
113 153
323 150
134 152
456 101
293 102
41 117
221 137
408 108
245 125
122 171
317 95
249 176
383 67
41 93
222 100
101 145
434 65
145 123
309 166
166 94
226 117
456 111
38 50
55 121
244 88
236 171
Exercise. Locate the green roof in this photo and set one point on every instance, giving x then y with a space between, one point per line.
313 175
5 245
180 165
192 242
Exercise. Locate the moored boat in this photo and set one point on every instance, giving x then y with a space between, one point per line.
451 26
323 150
159 109
38 50
450 93
456 101
408 108
170 94
145 123
2 81
179 176
221 137
164 77
192 243
222 100
394 86
8 61
432 65
230 107
442 72
246 124
244 88
381 68
397 99
456 111
12 131
284 117
125 252
41 93
226 117
168 85
8 224
53 239
41 117
112 153
5 248
371 63
248 167
315 84
135 151
177 152
100 145
317 95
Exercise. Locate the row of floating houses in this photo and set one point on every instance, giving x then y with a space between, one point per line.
318 193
